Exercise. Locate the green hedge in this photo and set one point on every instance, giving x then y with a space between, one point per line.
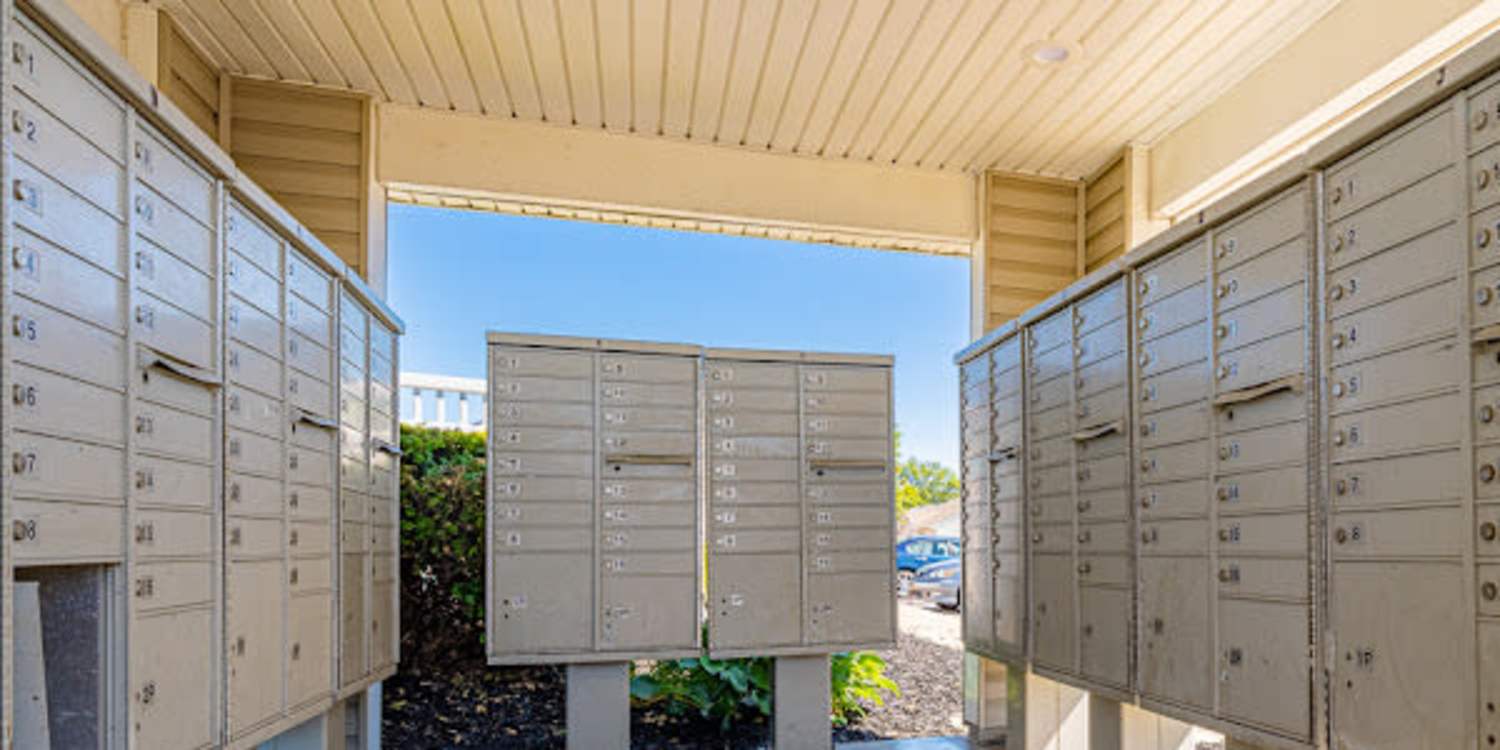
442 596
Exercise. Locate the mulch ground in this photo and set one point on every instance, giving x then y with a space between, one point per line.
522 707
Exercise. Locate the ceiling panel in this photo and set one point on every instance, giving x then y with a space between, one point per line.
936 84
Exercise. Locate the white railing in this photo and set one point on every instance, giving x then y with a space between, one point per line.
431 395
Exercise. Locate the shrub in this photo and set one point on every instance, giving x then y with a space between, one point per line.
732 689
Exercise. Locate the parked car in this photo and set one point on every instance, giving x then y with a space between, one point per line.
938 583
914 552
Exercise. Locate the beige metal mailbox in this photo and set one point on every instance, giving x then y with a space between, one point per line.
800 516
593 500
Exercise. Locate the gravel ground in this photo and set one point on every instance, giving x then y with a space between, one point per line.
523 707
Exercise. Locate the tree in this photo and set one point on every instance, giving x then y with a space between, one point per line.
921 483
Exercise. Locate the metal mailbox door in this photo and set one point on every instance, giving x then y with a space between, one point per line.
1053 620
655 612
1403 660
1176 660
253 628
1264 665
750 603
536 604
850 608
1104 645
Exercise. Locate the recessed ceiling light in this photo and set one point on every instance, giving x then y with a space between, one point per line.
1051 53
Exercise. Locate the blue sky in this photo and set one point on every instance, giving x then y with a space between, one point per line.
456 274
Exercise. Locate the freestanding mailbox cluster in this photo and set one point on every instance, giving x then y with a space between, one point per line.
1301 550
601 454
180 358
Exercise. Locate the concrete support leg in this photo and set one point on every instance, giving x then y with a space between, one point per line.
994 702
599 706
800 706
1105 731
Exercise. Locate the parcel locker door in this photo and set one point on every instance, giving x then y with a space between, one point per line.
1403 661
650 613
1104 643
536 605
1176 663
1054 630
253 628
850 608
753 601
1265 665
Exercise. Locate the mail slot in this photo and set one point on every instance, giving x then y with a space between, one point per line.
1173 351
1409 319
1395 161
1181 386
1172 314
1178 424
1100 308
1409 533
1107 341
1284 487
1416 263
1269 226
57 215
1262 448
42 402
1284 310
1174 499
1181 461
516 388
506 361
1435 476
1398 374
1263 577
55 277
1178 270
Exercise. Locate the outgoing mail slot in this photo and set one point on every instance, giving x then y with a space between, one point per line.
1056 421
162 167
60 531
1050 332
1417 263
515 413
542 439
57 278
41 402
1179 537
1413 212
1261 362
45 467
1394 375
252 495
1429 422
1282 488
1050 394
252 368
250 538
1099 308
1285 266
253 285
56 215
1407 319
1407 532
645 394
1262 448
1285 310
1170 463
1103 375
647 368
251 326
1411 152
1103 343
1049 364
1102 407
1178 424
248 410
1278 534
64 89
168 329
751 374
1172 314
1431 477
1270 578
251 453
541 389
167 585
51 146
165 431
510 540
315 324
165 533
753 447
1103 473
1174 499
1271 225
1171 352
508 463
42 336
1178 270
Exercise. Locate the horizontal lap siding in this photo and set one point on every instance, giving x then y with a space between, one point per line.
187 77
1105 216
1031 245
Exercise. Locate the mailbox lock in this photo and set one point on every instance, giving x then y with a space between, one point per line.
1221 330
1487 531
1145 464
1223 371
1223 494
1144 359
1144 323
1036 538
1482 180
1148 536
1147 501
1145 287
1481 117
1340 535
1487 473
1036 509
1338 242
1489 591
1340 487
1225 452
1224 535
1338 437
1486 414
1338 390
1482 296
1336 293
1338 341
1088 631
1158 626
1084 505
1084 536
1084 569
1234 656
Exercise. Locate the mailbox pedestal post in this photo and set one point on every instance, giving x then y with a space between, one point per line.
598 707
800 707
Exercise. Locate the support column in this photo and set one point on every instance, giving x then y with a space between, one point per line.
1104 723
599 706
994 702
800 708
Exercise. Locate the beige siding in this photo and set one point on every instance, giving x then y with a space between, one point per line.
187 77
306 147
1106 215
1031 242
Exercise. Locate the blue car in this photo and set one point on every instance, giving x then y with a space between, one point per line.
917 551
